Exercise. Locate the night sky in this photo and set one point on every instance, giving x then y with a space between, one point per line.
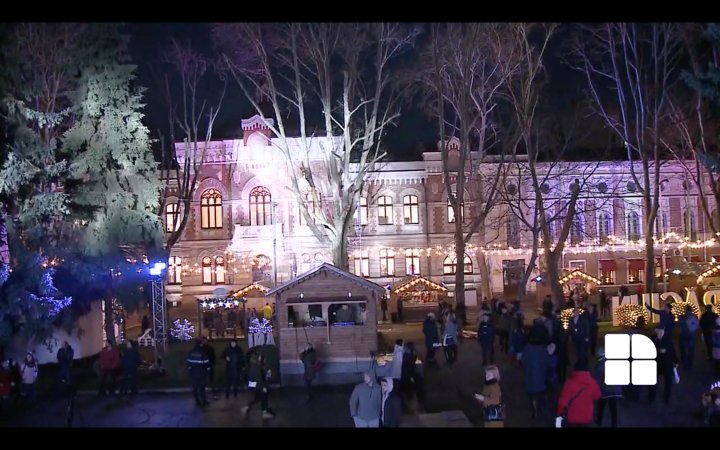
414 130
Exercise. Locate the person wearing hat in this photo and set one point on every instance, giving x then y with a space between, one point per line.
608 394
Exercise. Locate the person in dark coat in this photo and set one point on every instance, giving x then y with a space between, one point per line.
259 375
667 320
666 364
309 359
609 394
535 359
707 323
486 338
431 338
144 325
592 317
547 304
384 308
624 292
503 328
603 304
391 407
541 330
199 365
234 367
65 356
689 326
580 330
130 364
517 337
407 373
561 350
212 359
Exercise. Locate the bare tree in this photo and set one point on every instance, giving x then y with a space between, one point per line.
630 71
194 118
342 70
464 73
693 137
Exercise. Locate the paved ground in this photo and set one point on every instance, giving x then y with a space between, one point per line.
448 388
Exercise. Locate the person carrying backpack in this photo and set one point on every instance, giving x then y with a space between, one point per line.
689 326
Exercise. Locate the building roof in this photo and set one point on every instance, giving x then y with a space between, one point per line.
577 273
327 267
249 289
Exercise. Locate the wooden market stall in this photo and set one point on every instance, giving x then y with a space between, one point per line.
416 297
579 281
336 312
226 315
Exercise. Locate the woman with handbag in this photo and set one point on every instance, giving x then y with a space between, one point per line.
491 399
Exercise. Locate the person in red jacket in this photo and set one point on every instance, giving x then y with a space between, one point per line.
109 366
576 402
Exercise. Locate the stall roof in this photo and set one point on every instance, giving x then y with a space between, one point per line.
577 273
419 280
325 267
248 289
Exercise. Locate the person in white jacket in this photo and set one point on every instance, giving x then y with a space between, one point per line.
28 377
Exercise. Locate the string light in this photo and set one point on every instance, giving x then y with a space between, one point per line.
678 309
628 314
260 326
248 289
409 285
579 274
567 314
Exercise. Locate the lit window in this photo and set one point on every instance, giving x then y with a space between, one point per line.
362 264
411 213
605 224
387 262
311 204
512 232
175 272
633 226
219 270
172 220
412 261
577 229
207 270
449 265
361 213
260 206
451 212
385 210
211 209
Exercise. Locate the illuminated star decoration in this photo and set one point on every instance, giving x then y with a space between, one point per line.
260 326
182 330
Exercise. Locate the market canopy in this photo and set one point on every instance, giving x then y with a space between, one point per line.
577 273
419 281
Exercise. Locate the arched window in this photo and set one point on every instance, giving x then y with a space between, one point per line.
605 224
385 210
451 211
211 209
311 204
512 232
633 226
172 220
361 213
450 265
577 229
411 213
387 262
260 206
175 272
219 270
691 225
207 270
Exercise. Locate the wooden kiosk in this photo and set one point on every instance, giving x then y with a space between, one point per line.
336 312
225 315
415 298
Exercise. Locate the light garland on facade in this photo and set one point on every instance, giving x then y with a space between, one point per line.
411 284
713 271
628 314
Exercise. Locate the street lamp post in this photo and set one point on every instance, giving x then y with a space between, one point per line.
159 308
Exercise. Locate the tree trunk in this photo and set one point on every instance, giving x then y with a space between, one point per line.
109 319
553 274
484 277
650 282
339 253
522 288
459 266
